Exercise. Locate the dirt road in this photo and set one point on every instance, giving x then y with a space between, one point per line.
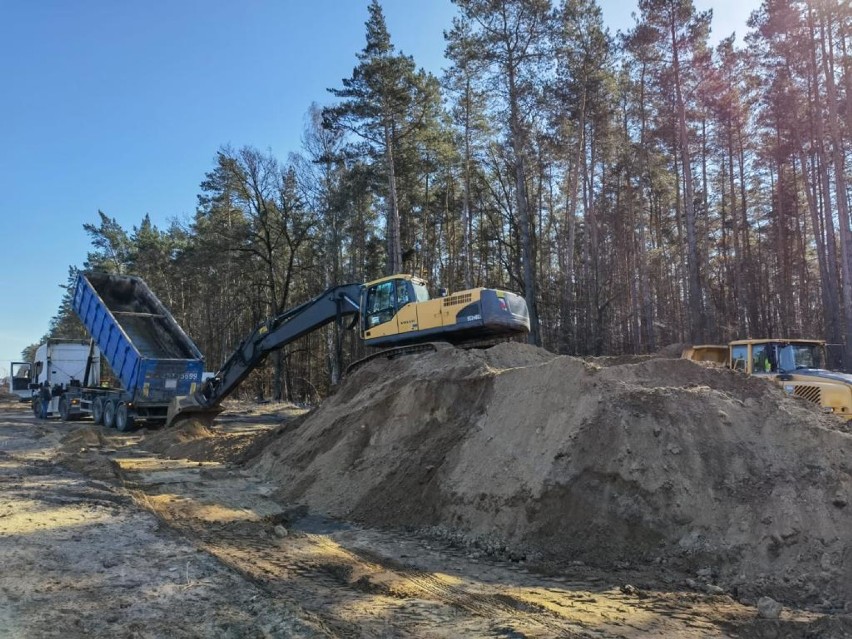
99 537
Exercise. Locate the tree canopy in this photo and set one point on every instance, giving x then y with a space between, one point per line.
639 189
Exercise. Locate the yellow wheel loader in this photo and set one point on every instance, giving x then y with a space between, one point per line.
794 364
394 313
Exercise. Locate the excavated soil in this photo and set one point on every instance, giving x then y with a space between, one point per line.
657 462
200 439
549 497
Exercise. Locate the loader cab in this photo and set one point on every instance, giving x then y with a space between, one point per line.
763 357
385 305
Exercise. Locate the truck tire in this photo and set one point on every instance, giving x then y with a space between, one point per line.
64 410
109 413
98 410
37 407
123 418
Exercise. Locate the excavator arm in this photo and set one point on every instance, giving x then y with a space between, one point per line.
334 303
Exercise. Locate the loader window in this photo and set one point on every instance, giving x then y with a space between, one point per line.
801 355
381 305
786 358
739 354
761 359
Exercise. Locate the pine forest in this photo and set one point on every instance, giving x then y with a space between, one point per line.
639 189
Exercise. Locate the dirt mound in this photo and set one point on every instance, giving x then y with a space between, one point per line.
663 461
85 436
672 351
193 439
187 430
190 439
80 451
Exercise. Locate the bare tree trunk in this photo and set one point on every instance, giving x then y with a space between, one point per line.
394 241
696 322
467 246
647 306
838 160
524 224
571 201
568 313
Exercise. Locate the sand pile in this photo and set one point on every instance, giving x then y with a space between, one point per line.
662 461
192 439
189 439
86 436
82 450
187 430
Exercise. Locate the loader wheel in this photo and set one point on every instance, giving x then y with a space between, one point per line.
123 418
98 410
63 409
109 414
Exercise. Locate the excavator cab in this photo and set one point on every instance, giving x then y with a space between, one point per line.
397 311
388 306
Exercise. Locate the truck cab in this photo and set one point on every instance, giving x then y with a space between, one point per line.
58 364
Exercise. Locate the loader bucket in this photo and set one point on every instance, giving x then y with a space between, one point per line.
189 407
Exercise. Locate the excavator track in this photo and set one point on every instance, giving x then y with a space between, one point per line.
390 353
426 347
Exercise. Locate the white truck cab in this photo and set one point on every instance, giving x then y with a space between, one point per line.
59 364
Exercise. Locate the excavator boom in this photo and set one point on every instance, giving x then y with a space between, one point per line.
334 303
395 312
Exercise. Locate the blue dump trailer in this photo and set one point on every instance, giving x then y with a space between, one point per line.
148 352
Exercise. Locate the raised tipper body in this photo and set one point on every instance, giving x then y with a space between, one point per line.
148 352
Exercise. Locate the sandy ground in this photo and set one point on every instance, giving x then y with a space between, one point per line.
99 536
644 462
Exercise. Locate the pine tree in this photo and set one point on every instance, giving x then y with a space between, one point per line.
679 35
383 102
512 38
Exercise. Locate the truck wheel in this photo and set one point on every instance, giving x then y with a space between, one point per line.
98 410
109 413
37 408
123 418
63 409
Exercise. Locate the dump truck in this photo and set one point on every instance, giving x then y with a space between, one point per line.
796 365
58 365
151 357
394 313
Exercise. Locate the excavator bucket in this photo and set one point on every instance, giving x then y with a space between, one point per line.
189 407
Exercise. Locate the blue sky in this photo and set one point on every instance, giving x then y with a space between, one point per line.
121 106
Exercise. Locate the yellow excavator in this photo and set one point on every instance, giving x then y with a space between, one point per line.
796 365
395 313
